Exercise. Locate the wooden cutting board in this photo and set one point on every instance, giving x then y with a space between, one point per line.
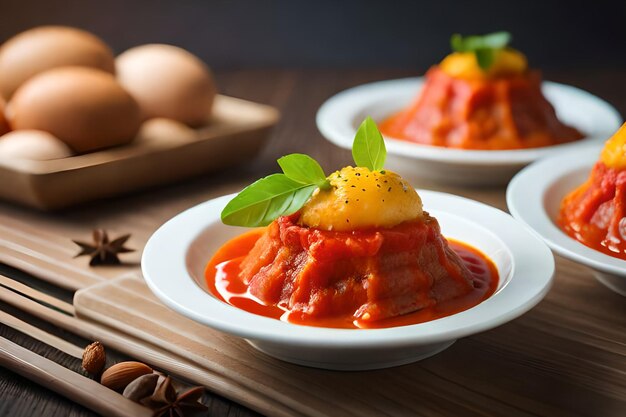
522 368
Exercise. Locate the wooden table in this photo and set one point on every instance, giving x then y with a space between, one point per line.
565 357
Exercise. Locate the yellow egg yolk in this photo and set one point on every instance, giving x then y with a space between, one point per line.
359 198
614 152
464 65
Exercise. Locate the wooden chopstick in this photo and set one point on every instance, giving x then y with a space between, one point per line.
41 335
36 295
68 383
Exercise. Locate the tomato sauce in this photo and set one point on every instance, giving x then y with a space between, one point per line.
224 282
595 213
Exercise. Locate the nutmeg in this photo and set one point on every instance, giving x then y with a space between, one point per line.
118 376
94 358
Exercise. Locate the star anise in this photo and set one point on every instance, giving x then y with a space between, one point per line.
167 402
103 251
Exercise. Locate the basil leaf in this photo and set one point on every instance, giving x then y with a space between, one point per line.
456 43
265 200
496 40
485 58
368 148
303 169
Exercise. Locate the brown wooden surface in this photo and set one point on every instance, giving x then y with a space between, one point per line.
565 357
126 304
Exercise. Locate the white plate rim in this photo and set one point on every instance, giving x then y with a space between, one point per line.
164 257
525 196
334 115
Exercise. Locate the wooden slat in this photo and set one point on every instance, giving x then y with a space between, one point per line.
37 295
40 335
38 264
68 383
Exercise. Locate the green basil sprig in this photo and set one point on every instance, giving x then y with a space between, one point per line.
368 148
277 195
304 169
484 47
266 199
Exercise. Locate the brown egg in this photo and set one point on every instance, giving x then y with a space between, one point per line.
169 82
165 130
84 107
4 125
42 48
32 144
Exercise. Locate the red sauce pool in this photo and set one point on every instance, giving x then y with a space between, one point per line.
222 277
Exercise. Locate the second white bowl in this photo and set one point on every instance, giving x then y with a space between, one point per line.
534 197
339 117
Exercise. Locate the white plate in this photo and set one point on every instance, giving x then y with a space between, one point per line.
174 259
534 197
339 117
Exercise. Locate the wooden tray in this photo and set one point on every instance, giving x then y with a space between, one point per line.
236 133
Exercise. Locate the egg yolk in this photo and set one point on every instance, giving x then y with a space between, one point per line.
359 198
614 152
464 64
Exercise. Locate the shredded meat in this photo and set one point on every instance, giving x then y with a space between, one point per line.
372 274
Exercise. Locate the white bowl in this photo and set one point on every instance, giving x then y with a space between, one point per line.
174 259
339 117
534 197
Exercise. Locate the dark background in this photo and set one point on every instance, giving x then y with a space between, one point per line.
340 34
582 44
